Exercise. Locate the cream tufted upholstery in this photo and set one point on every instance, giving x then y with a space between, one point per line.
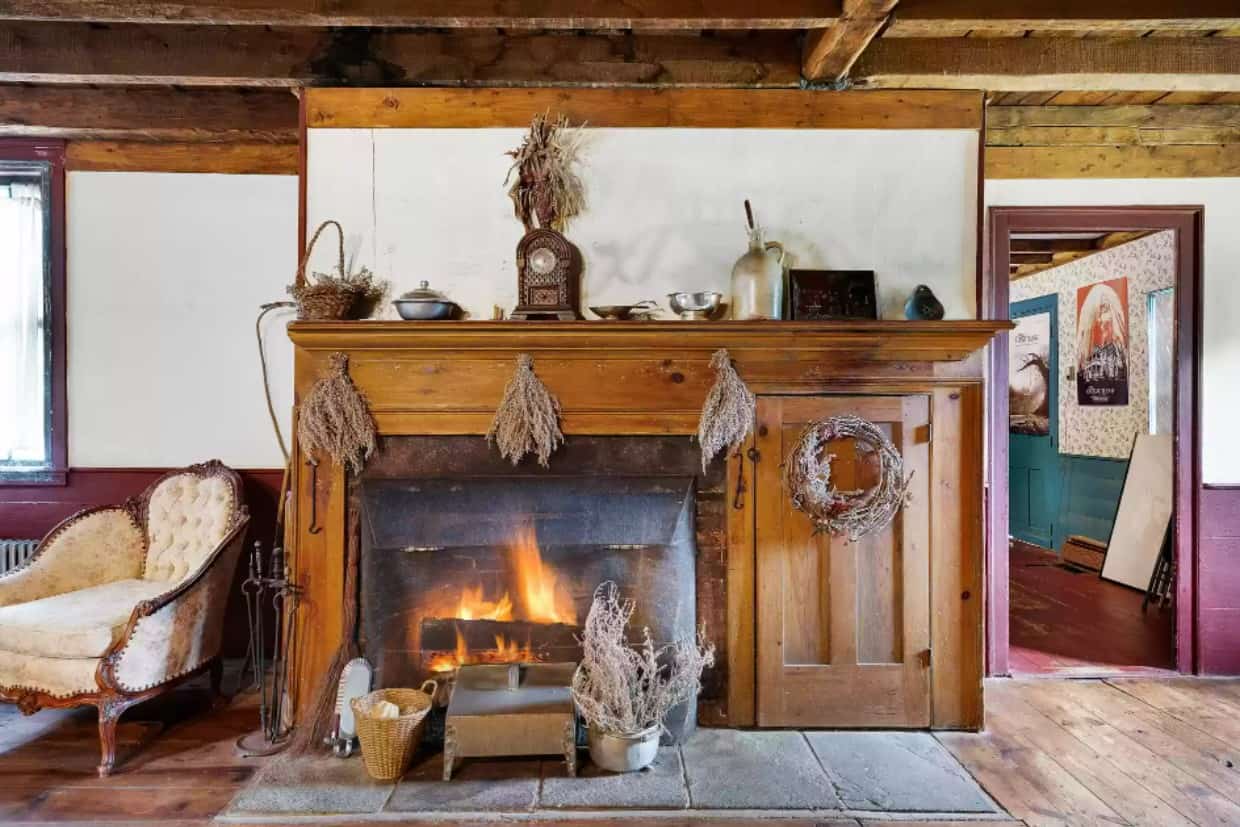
120 603
187 516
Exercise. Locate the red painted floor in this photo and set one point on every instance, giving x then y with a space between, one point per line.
1069 623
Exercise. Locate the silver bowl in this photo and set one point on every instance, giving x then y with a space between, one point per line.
695 306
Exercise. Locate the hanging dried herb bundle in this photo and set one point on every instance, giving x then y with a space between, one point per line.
528 418
727 415
545 190
335 421
622 689
807 478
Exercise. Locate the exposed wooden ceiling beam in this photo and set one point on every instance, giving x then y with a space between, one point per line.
830 53
1025 267
196 115
936 18
1034 64
260 56
1221 161
507 14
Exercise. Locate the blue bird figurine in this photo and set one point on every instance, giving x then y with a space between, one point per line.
923 306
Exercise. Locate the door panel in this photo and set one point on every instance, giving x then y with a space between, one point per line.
1033 455
843 627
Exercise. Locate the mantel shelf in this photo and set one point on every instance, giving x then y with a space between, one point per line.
878 340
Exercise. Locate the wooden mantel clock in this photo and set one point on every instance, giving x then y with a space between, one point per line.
548 277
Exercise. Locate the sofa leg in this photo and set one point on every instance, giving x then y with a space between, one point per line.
110 712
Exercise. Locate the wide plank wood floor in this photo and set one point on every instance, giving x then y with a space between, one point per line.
1121 751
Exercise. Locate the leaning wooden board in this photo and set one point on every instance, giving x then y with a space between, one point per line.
1144 512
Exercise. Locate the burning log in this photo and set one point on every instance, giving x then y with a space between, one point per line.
440 634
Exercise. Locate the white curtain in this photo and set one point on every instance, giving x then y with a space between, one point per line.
23 395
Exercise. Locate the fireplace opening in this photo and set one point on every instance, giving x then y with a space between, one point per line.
502 568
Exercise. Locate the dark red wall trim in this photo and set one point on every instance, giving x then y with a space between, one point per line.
29 512
52 151
1194 636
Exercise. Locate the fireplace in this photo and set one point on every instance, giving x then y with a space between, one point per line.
465 559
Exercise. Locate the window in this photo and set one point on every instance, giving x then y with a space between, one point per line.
1160 315
32 396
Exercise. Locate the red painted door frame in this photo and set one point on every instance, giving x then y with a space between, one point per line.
1187 222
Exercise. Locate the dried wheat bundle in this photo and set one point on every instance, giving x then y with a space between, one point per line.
545 190
807 477
528 417
727 415
623 690
334 420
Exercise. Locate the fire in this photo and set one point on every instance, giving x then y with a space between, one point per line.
540 598
505 651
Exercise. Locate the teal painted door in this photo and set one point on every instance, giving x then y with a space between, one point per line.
1033 401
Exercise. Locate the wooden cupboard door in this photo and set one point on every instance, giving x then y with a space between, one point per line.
843 634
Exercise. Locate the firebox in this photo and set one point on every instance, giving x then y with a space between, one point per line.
502 567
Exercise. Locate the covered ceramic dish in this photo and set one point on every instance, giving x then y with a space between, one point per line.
425 304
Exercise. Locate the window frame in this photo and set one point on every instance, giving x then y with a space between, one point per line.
51 152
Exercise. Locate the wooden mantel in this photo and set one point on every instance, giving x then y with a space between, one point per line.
634 378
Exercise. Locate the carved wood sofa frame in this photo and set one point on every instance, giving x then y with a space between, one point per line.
111 698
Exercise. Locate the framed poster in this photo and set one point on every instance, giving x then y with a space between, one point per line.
1029 361
1102 343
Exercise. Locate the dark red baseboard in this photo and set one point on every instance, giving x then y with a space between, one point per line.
1218 581
32 511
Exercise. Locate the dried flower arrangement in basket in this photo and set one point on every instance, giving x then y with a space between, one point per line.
807 477
341 295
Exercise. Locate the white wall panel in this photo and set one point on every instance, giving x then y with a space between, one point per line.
1220 391
664 208
165 276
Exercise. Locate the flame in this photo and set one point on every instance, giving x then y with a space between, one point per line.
505 651
540 598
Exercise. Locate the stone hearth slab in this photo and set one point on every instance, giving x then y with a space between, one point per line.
312 784
662 786
477 785
775 770
897 771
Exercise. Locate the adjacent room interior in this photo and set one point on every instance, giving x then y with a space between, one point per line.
619 413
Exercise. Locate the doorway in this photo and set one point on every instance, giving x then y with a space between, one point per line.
1074 545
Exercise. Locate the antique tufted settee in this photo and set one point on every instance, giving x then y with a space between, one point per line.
120 603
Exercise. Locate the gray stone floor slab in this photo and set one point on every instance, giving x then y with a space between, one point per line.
897 771
660 786
734 769
477 785
312 784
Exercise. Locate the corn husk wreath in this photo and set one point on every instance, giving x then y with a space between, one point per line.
728 413
807 478
528 418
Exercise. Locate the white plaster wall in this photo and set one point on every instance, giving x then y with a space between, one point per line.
665 208
166 273
1220 390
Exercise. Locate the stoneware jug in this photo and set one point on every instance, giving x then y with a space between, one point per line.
758 280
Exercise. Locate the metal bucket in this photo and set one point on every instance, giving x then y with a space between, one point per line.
624 753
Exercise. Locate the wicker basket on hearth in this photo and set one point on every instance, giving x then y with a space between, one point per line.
389 743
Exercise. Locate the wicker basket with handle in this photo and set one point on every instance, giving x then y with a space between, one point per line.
327 299
389 743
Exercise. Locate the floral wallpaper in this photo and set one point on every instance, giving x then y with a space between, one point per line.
1148 264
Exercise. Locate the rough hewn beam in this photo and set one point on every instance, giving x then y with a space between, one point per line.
143 156
936 18
1114 162
259 56
830 53
1162 116
198 115
1037 64
507 14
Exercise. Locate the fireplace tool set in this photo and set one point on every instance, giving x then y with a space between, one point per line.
267 588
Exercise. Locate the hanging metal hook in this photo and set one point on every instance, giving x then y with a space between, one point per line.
314 497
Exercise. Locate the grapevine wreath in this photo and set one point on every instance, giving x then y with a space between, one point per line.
807 476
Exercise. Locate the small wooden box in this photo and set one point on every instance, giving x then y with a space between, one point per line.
1085 552
511 709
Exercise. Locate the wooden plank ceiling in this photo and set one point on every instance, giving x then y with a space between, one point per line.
1130 87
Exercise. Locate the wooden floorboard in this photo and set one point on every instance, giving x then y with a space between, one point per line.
1123 751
